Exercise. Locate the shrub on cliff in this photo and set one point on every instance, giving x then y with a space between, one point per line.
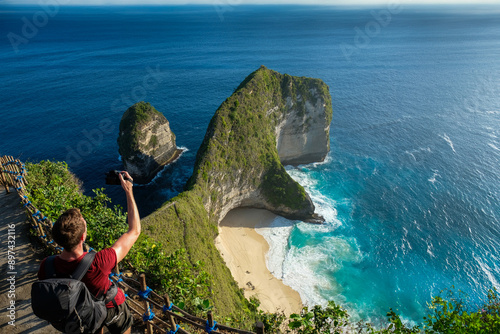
447 314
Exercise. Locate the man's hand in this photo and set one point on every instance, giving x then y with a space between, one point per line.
126 181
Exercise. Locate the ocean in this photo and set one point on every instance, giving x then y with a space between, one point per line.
410 190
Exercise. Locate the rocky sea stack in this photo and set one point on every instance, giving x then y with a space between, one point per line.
145 142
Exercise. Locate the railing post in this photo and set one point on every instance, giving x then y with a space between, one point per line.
146 303
210 319
173 326
116 269
8 177
259 327
4 179
38 226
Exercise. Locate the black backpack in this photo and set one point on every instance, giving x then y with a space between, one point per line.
66 302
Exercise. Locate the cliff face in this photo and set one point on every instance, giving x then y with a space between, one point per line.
303 132
269 120
145 142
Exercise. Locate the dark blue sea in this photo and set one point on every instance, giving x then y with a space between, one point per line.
411 187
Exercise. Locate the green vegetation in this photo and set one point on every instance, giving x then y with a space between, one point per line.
53 189
450 314
280 188
153 142
446 315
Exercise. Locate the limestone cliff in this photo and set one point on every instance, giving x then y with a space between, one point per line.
145 142
269 120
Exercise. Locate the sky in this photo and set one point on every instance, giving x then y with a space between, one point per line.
240 2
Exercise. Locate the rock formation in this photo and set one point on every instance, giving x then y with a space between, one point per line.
145 142
270 119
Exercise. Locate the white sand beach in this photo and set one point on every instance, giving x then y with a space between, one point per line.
244 251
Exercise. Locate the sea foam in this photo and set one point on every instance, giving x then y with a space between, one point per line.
448 140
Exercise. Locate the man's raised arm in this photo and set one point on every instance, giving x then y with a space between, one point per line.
127 240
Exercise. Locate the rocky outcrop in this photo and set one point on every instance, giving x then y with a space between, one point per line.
145 142
269 120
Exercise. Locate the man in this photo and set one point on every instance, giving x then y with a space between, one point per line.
70 231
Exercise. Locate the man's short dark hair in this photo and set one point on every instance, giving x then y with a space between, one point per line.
68 229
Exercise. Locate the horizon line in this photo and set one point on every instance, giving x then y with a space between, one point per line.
222 3
87 4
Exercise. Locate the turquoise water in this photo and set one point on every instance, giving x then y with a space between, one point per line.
410 188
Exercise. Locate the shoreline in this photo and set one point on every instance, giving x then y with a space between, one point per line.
244 252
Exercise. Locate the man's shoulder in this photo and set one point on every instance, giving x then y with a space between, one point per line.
105 256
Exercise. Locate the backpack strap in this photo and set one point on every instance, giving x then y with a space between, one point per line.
111 294
83 266
50 269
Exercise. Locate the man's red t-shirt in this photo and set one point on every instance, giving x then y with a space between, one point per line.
96 279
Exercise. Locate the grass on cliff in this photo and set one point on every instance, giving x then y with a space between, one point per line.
184 223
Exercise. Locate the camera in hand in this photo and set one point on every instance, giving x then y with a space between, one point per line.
113 178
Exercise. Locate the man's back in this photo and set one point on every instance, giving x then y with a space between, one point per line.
96 279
